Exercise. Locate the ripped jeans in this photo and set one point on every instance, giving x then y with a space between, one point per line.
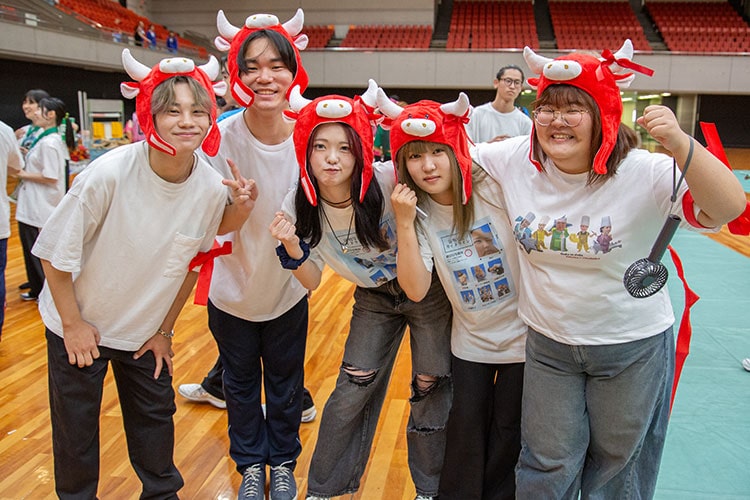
350 417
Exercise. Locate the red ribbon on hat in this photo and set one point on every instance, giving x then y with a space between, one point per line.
609 59
206 261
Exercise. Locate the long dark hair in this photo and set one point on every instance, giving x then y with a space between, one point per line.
560 96
366 214
61 117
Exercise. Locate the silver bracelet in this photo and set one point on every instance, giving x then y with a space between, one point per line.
168 334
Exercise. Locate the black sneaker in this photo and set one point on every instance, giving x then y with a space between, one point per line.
27 296
24 286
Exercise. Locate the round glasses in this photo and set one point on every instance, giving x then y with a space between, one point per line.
510 82
571 118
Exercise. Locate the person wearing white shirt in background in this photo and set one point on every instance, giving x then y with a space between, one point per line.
500 119
11 162
43 184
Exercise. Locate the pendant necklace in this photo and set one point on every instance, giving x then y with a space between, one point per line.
345 245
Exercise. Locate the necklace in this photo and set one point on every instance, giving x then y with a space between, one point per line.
345 245
337 203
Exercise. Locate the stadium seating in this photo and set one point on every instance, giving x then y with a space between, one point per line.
700 26
111 17
595 25
388 37
486 25
318 36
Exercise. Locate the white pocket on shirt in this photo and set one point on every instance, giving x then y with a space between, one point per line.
184 248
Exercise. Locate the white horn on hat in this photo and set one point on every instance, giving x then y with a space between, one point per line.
535 61
625 52
211 68
459 107
294 25
137 71
296 101
226 29
370 97
388 107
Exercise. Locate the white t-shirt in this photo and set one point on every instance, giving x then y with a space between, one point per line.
37 200
367 268
128 236
478 280
250 283
486 123
572 277
10 157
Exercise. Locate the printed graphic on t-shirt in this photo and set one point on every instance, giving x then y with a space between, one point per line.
476 263
368 264
559 235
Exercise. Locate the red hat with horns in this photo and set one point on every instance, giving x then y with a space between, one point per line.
358 113
432 122
231 39
147 79
601 78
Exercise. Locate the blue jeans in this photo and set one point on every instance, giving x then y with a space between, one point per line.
75 398
594 418
268 354
350 416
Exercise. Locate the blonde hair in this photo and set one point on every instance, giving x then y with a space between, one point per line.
164 94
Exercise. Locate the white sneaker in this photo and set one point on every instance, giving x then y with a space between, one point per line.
309 414
195 392
746 364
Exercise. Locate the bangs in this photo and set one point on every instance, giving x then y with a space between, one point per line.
563 96
417 147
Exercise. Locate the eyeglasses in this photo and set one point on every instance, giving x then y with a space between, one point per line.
571 118
511 82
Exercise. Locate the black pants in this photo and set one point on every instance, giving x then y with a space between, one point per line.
34 272
484 432
147 408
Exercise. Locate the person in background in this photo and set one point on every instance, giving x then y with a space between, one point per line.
11 162
500 119
600 360
133 130
487 338
382 141
98 254
139 35
151 37
172 42
43 184
26 134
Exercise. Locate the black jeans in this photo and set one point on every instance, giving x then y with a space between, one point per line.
147 408
484 432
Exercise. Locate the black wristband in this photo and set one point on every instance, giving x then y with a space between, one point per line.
289 263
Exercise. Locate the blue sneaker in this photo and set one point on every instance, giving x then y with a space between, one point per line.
283 486
253 485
